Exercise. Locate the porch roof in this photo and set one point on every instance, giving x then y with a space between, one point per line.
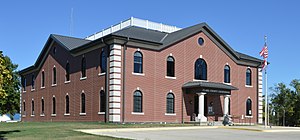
210 85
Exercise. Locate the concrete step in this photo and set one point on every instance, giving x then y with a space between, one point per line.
215 123
197 123
210 123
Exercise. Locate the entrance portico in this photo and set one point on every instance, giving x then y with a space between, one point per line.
202 90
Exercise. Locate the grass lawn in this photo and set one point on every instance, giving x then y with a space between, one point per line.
62 130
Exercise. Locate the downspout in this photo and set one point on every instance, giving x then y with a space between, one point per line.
124 65
106 81
21 92
257 95
182 100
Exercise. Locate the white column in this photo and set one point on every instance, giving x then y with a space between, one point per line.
226 104
201 116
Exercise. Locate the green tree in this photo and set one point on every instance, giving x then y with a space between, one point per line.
296 86
283 104
5 75
9 86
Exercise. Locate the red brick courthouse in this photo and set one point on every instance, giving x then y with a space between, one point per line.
142 71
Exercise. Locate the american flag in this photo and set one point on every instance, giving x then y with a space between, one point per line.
264 65
264 51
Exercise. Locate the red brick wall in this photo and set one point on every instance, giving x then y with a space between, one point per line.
155 86
91 87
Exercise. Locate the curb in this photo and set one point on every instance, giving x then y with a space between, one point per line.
144 129
262 130
246 129
272 131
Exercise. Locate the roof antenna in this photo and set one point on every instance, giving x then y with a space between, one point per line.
71 23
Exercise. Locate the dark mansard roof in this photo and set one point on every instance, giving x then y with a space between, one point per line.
158 41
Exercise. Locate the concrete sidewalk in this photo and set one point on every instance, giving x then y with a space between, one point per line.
96 131
196 132
249 128
132 133
263 129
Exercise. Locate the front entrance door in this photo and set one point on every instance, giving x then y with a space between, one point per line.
196 105
205 106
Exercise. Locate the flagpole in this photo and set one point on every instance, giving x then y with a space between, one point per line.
266 91
268 113
266 100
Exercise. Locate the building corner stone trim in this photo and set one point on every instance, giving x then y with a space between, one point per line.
115 65
260 97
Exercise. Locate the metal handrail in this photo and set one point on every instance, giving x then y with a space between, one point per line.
134 22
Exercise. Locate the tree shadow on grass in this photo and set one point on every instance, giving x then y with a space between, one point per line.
3 133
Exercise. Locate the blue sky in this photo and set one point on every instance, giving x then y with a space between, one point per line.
26 25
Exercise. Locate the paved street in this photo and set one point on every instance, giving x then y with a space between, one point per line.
201 133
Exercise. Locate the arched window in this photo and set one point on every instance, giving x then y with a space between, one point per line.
138 62
137 101
32 81
226 74
102 101
170 66
54 76
54 50
43 106
67 105
53 106
82 103
68 72
43 79
170 103
248 107
32 107
248 77
200 69
103 61
83 67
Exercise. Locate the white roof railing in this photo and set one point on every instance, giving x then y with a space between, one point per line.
134 22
